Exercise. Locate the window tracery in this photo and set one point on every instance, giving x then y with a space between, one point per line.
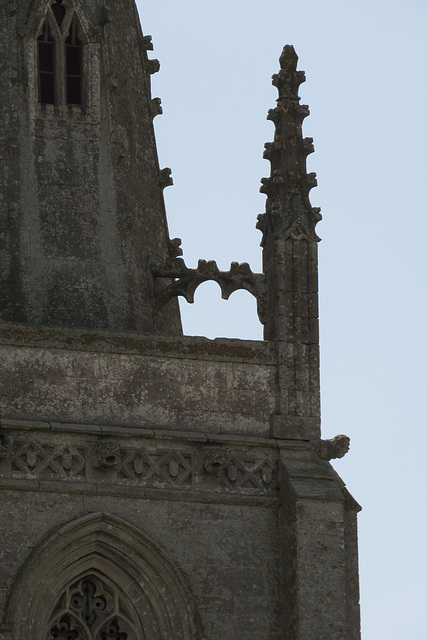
60 56
101 556
90 609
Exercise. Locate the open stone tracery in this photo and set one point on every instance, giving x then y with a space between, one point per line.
88 609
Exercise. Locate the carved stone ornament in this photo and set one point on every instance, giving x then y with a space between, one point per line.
165 467
288 213
108 454
248 471
32 458
334 448
185 280
214 460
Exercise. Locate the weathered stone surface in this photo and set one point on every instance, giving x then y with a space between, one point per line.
166 463
320 571
231 583
185 389
81 209
152 486
162 487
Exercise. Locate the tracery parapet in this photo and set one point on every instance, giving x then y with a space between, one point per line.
185 280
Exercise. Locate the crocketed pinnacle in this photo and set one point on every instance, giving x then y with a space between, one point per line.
288 209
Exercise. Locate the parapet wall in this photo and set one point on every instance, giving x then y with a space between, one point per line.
130 380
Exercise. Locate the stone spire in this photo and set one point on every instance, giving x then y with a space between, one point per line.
290 259
82 215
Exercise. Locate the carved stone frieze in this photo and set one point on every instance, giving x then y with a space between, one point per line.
164 466
248 471
31 458
195 468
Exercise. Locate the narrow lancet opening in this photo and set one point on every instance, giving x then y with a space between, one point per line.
73 66
60 57
46 60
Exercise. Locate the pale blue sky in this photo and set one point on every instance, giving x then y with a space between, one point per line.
366 87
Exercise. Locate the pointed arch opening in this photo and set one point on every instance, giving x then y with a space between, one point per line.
60 56
100 578
213 317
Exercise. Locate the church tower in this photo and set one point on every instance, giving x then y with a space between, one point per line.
153 486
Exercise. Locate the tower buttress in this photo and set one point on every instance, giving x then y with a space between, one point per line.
290 260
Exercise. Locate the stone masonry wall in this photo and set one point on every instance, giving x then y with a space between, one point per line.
170 436
183 384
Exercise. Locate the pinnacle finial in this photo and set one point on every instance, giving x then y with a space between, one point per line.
288 79
288 208
288 58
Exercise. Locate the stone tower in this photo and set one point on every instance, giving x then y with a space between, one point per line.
153 486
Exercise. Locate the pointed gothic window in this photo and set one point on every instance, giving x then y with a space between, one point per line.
60 57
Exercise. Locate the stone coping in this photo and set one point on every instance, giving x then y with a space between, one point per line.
132 343
124 432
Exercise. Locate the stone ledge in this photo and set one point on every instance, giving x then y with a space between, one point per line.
141 432
103 341
149 493
142 459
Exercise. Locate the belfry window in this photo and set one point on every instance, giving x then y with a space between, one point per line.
60 57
